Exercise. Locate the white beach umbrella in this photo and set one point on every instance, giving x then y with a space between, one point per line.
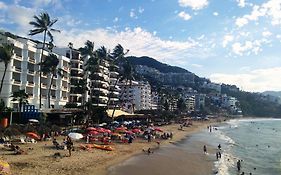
75 136
33 120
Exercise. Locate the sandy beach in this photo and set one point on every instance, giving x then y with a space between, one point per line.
40 157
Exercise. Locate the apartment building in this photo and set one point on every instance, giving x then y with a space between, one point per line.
22 73
101 82
135 96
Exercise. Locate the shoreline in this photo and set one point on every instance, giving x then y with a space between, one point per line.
40 159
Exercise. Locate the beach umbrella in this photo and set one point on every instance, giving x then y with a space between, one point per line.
158 129
129 132
33 120
91 129
93 132
75 136
136 130
4 168
107 130
33 135
99 129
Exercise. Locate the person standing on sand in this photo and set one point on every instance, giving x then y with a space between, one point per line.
69 145
219 147
205 149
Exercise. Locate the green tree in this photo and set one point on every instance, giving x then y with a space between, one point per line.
117 57
6 53
50 65
43 24
22 97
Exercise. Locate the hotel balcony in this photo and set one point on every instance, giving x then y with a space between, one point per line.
31 60
16 69
18 57
44 85
30 83
16 82
31 72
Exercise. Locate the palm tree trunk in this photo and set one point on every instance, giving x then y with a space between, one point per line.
2 81
111 92
40 76
20 106
115 105
49 91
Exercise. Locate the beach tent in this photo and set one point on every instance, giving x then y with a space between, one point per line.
117 113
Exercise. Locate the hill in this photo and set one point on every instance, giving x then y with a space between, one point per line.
161 67
273 93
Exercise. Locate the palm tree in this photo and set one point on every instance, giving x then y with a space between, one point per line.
50 65
81 88
117 57
43 24
127 75
6 53
21 96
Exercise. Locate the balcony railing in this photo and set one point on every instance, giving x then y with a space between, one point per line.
32 60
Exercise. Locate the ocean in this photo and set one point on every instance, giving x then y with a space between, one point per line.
256 142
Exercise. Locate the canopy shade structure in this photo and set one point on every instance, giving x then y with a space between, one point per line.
117 113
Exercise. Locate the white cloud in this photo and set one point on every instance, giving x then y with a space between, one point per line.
241 3
184 15
197 65
270 9
266 33
43 3
3 5
141 10
249 47
132 13
116 19
255 81
241 22
216 14
139 41
227 39
194 4
21 16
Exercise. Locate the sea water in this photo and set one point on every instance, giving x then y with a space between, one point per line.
256 142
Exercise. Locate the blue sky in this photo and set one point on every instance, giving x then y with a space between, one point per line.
231 41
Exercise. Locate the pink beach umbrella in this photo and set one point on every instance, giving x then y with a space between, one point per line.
107 131
129 132
91 129
93 132
100 129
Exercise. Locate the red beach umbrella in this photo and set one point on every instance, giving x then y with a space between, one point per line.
100 129
107 130
129 132
158 129
33 135
91 129
136 130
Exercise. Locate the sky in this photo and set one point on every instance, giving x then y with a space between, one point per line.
228 41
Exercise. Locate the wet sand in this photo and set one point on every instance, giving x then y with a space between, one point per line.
182 158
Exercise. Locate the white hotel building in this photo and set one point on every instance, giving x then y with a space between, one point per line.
135 96
22 73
